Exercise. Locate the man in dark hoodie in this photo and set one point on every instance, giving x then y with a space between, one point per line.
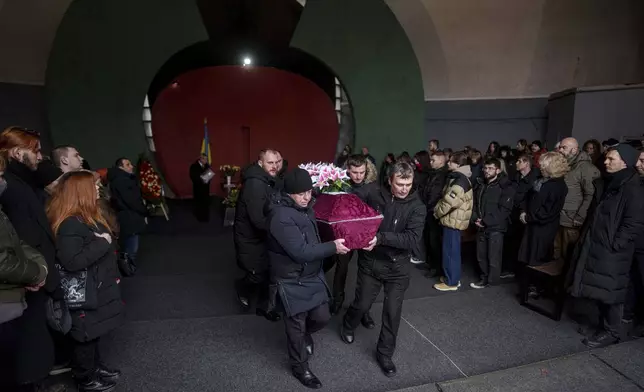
432 193
493 201
258 184
385 262
128 205
523 181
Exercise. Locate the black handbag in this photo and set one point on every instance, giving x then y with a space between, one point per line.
81 291
126 264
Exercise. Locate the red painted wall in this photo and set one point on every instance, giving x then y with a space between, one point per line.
283 111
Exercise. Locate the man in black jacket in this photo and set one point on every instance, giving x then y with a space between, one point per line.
258 184
128 205
200 189
493 201
432 193
605 251
522 181
296 256
385 262
357 172
24 204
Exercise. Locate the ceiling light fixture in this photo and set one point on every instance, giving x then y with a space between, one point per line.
247 61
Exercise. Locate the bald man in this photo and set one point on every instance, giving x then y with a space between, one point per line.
580 193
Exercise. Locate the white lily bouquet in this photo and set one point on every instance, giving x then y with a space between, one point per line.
327 177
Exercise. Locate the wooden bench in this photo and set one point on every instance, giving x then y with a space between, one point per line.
552 275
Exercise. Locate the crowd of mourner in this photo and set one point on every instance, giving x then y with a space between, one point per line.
69 236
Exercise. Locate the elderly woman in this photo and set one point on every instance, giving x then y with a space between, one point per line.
541 216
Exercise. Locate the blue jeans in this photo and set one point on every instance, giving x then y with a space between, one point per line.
452 256
130 245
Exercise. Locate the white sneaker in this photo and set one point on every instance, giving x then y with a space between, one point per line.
416 261
444 280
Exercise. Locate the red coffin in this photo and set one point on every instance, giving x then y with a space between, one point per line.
344 215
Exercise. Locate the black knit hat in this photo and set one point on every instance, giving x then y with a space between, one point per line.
628 154
297 181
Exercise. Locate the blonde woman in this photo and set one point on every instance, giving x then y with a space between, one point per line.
541 213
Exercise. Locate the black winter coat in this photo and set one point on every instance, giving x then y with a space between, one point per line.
79 248
493 203
433 189
606 246
127 202
401 230
522 186
296 255
250 220
545 201
421 176
200 190
24 204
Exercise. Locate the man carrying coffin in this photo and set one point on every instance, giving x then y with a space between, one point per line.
385 262
297 281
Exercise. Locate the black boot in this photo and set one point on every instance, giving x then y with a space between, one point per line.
600 339
367 321
386 365
346 335
310 345
307 378
94 383
107 374
242 297
270 316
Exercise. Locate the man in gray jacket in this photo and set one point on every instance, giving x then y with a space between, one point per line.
580 193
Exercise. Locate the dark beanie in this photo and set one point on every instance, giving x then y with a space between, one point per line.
297 181
628 154
47 172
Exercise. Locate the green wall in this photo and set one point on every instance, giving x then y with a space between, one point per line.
363 43
104 57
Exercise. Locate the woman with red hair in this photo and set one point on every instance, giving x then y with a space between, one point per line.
86 253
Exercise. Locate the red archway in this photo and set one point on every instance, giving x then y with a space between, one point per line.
248 108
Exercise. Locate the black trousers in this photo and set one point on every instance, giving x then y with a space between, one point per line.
610 318
512 243
489 253
299 329
86 358
372 276
202 207
254 286
433 243
634 305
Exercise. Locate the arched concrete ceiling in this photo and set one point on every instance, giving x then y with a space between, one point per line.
466 48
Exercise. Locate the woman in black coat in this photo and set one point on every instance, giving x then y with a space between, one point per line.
607 245
541 217
90 277
296 257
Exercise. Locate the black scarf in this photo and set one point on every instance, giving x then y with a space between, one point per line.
615 180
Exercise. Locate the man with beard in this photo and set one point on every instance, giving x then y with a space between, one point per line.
250 230
607 243
493 200
432 193
200 189
386 260
580 193
32 354
523 181
357 171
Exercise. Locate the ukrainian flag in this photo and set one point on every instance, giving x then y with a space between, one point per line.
205 144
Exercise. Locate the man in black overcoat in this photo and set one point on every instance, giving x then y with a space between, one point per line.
200 189
607 243
296 256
